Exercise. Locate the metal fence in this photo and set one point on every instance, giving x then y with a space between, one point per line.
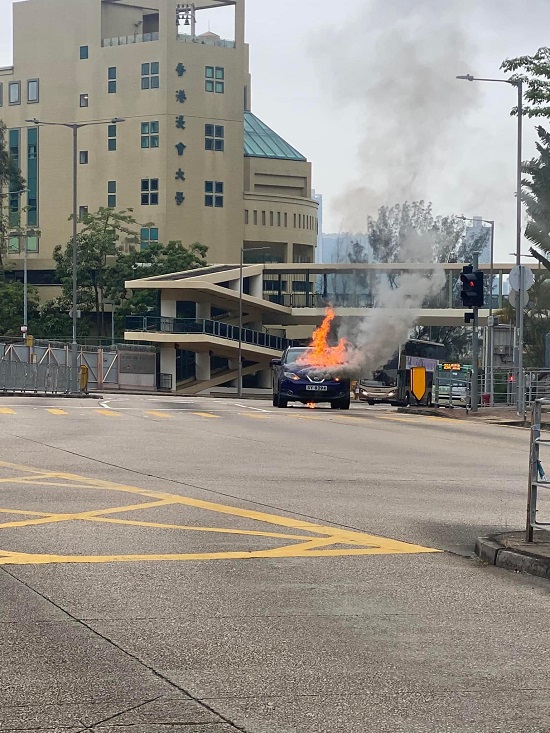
35 378
537 476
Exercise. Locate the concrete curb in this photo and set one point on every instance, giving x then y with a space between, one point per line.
50 396
493 552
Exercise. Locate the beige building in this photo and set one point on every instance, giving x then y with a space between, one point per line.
191 159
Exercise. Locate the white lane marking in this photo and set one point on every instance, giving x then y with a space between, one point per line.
248 407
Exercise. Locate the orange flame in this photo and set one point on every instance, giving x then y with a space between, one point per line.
311 405
320 354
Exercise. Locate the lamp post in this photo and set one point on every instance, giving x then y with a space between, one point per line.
518 83
489 379
75 127
240 352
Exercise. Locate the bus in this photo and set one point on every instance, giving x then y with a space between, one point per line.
392 383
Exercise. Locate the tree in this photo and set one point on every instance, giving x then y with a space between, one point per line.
536 194
11 178
11 307
534 71
98 242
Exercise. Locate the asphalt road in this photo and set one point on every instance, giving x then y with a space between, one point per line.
207 566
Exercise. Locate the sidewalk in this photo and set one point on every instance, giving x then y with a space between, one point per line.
489 415
509 550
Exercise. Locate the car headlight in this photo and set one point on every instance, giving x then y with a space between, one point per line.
291 375
391 394
363 392
336 379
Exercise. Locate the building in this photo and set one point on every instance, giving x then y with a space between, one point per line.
187 154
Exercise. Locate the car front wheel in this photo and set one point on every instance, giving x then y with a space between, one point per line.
281 402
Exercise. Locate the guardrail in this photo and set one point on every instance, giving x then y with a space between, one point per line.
537 476
35 378
164 324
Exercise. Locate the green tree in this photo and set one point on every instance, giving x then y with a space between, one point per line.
99 243
11 307
534 72
10 178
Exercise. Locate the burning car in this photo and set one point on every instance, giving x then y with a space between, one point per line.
310 374
294 380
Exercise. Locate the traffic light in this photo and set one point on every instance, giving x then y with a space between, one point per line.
471 293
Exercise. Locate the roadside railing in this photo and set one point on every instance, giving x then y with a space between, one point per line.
34 378
537 476
164 324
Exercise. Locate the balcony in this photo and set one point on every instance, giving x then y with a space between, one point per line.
163 324
127 40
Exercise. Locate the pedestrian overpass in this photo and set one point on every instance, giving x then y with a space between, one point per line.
197 331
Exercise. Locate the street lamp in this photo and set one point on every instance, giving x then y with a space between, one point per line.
489 379
518 83
240 364
75 127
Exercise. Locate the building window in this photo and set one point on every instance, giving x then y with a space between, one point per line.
246 216
14 245
1 94
111 80
255 217
84 100
294 221
278 218
263 218
150 78
149 191
14 92
149 235
214 79
83 52
82 211
32 91
32 178
149 134
214 137
213 194
14 200
83 157
271 219
286 219
32 243
111 137
111 194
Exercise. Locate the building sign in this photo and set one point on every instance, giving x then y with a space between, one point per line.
451 367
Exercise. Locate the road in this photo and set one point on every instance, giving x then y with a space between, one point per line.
211 566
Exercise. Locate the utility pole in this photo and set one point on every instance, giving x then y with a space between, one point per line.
475 347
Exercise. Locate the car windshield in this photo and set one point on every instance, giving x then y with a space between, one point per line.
295 353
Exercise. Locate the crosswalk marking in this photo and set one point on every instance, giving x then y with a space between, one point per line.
6 411
154 413
54 411
109 413
205 414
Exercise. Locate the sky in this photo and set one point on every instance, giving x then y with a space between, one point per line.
366 89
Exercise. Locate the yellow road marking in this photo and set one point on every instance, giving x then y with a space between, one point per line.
204 414
54 411
6 411
321 541
154 413
255 415
109 413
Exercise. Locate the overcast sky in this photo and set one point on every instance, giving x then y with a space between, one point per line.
366 89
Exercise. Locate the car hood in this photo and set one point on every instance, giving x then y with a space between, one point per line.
311 374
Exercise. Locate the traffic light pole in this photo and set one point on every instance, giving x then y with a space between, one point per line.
475 349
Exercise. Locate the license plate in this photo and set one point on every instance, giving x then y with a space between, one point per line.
317 387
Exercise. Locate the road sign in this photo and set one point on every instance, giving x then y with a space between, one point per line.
517 282
518 300
418 382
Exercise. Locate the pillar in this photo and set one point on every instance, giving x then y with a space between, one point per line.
202 366
167 307
204 311
168 362
264 379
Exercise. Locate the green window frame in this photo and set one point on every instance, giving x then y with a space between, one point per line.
148 236
214 79
14 199
213 194
111 137
32 177
84 53
150 134
214 137
149 191
150 75
111 80
111 194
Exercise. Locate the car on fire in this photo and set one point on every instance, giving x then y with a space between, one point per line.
294 380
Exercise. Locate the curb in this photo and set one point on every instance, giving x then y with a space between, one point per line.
49 396
491 551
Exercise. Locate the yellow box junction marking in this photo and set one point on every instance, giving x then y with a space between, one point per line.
6 411
54 411
154 413
320 541
108 413
204 414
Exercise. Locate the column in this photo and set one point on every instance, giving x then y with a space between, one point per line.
202 366
167 306
265 379
168 362
204 311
